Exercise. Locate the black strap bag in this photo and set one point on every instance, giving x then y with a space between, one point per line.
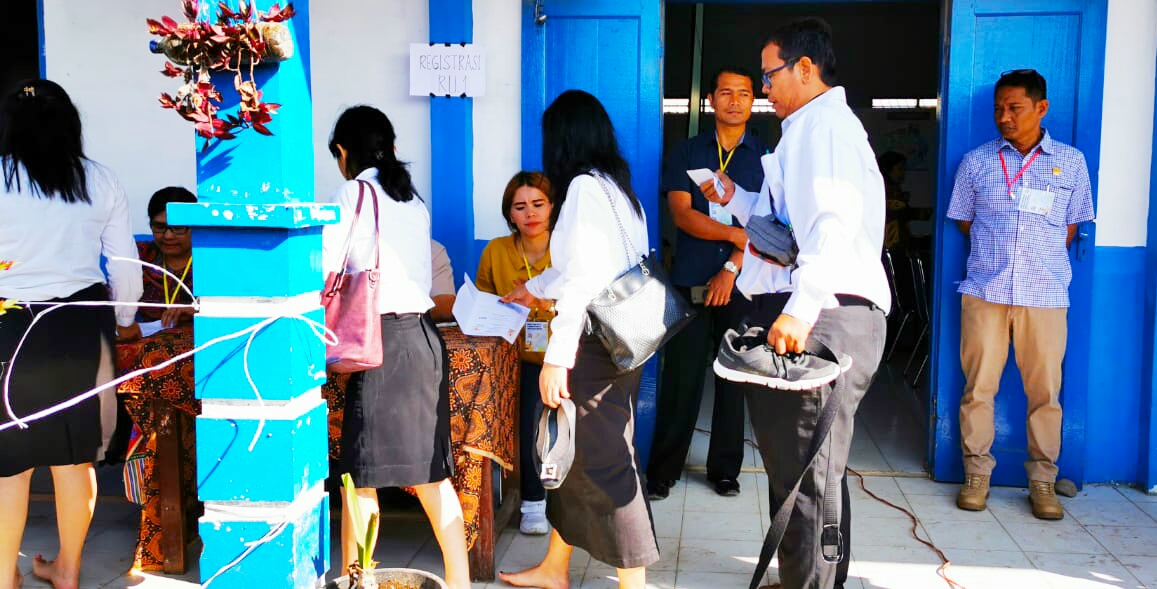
638 312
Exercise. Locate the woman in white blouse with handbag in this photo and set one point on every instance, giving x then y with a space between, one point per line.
396 426
59 212
601 232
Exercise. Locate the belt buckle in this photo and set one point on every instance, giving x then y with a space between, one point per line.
832 543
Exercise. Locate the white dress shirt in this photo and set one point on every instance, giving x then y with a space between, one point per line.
55 247
824 182
404 238
587 253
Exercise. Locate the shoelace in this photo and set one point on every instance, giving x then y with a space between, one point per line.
1043 488
973 481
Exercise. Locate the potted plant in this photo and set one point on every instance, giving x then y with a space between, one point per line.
361 573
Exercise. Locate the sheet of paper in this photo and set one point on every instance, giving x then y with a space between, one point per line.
701 175
149 328
483 314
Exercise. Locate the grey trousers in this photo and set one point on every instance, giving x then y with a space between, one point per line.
783 422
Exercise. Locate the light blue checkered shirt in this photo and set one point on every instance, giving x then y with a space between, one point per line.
1020 258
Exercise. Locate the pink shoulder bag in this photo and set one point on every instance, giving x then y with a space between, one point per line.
351 305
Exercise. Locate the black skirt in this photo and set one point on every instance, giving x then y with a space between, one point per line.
396 427
602 506
59 360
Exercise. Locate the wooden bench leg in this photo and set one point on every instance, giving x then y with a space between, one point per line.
167 463
491 522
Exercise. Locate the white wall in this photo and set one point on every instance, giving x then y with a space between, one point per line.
361 55
1127 123
99 52
498 115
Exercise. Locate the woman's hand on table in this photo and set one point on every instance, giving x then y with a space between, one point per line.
552 383
173 317
128 334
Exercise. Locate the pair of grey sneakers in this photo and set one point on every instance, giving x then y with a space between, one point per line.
748 358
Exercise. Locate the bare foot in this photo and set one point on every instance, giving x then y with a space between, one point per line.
47 570
538 576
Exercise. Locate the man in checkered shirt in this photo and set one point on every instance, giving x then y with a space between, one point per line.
1019 199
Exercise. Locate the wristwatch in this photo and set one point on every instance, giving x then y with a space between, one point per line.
731 267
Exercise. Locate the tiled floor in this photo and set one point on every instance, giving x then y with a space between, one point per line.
1107 539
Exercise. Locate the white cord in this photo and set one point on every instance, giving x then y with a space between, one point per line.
250 547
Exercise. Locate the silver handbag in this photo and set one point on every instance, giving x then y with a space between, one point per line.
639 311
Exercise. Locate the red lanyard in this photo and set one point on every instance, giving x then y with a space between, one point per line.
1018 174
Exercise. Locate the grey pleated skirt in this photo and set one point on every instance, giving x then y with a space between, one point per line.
602 506
396 426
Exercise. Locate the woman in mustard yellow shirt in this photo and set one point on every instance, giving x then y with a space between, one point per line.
507 262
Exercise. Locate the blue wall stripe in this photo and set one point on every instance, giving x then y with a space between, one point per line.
452 147
1116 394
1148 384
40 36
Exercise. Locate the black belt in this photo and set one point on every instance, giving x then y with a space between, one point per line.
400 315
847 300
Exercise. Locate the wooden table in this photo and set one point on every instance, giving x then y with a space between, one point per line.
483 383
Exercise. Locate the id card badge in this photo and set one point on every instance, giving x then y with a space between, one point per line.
537 336
1035 201
718 213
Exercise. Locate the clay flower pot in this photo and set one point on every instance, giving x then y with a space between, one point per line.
396 579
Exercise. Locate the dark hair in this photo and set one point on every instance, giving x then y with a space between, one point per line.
536 180
578 138
40 131
807 37
167 195
889 160
368 138
1033 83
730 69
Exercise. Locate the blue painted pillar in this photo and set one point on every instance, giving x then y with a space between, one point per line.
452 146
261 455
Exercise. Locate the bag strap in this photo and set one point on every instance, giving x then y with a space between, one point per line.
349 240
628 245
779 523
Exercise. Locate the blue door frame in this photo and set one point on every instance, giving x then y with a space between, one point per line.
970 67
987 37
614 50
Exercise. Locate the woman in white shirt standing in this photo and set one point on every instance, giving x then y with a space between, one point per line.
59 211
601 506
396 427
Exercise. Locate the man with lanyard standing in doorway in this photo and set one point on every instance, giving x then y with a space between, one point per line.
708 255
1019 198
823 183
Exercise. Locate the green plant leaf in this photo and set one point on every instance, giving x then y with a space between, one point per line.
351 499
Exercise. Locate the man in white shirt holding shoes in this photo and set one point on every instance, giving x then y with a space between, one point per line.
822 182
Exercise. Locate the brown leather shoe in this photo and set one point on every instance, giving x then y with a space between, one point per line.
1043 496
973 494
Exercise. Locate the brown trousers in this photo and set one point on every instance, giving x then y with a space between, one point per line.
1038 337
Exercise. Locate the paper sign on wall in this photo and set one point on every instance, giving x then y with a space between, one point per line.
447 70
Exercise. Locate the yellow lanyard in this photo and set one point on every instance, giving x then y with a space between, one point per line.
522 253
176 290
723 164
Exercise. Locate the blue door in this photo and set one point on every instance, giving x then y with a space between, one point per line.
1065 41
612 49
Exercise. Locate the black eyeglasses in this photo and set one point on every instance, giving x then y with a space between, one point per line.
161 228
768 74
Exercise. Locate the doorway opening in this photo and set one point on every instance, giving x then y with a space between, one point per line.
888 56
19 43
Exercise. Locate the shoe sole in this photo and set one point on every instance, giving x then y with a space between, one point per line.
733 375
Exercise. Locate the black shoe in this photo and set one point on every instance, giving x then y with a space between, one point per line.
748 358
659 490
727 487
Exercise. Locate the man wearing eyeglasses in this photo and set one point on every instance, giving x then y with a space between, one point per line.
1019 198
823 182
708 255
